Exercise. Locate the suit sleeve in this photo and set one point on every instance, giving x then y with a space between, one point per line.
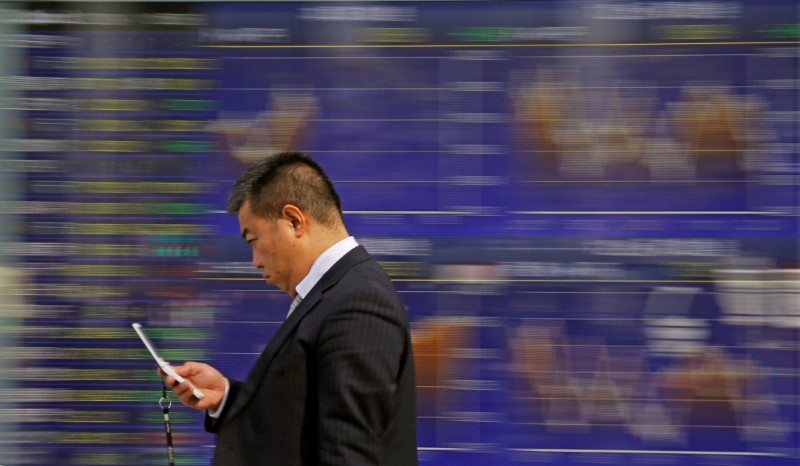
212 425
360 351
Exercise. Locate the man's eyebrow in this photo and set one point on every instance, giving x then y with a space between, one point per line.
244 234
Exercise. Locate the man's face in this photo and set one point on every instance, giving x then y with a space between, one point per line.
273 245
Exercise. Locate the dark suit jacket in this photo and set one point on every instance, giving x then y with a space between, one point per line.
334 386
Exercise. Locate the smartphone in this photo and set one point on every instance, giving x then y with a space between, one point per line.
164 365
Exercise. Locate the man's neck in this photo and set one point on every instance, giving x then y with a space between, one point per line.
315 247
326 241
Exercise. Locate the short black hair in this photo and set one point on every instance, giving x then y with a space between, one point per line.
287 178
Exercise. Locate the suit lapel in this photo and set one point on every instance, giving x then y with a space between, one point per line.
330 278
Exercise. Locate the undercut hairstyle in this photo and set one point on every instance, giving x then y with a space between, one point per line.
287 178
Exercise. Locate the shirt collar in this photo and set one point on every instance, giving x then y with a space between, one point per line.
323 263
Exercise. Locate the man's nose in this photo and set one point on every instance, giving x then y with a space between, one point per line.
257 263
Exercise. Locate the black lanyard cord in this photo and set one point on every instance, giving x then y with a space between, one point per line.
164 403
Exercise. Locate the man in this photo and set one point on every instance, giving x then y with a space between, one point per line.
335 385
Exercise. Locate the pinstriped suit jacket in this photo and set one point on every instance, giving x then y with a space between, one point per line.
334 386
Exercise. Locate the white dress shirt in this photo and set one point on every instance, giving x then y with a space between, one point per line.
324 262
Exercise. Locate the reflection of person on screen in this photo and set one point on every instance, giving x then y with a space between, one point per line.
283 126
336 383
711 387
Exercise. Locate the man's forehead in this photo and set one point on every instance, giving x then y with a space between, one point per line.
245 217
246 208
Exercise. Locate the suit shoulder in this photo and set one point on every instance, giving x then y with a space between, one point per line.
366 285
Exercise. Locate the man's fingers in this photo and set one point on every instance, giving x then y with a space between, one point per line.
187 369
168 380
180 389
185 393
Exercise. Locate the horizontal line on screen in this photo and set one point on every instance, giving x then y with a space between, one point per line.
644 55
333 89
438 57
383 120
553 280
338 57
394 182
371 151
406 212
666 181
387 212
454 449
552 212
645 452
492 45
645 212
532 280
267 322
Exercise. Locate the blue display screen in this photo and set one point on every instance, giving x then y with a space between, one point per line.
590 210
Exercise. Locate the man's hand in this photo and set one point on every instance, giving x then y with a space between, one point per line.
199 375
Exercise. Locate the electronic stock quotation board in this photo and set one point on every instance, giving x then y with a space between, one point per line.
589 208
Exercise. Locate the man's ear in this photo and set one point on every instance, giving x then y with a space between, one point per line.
296 217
